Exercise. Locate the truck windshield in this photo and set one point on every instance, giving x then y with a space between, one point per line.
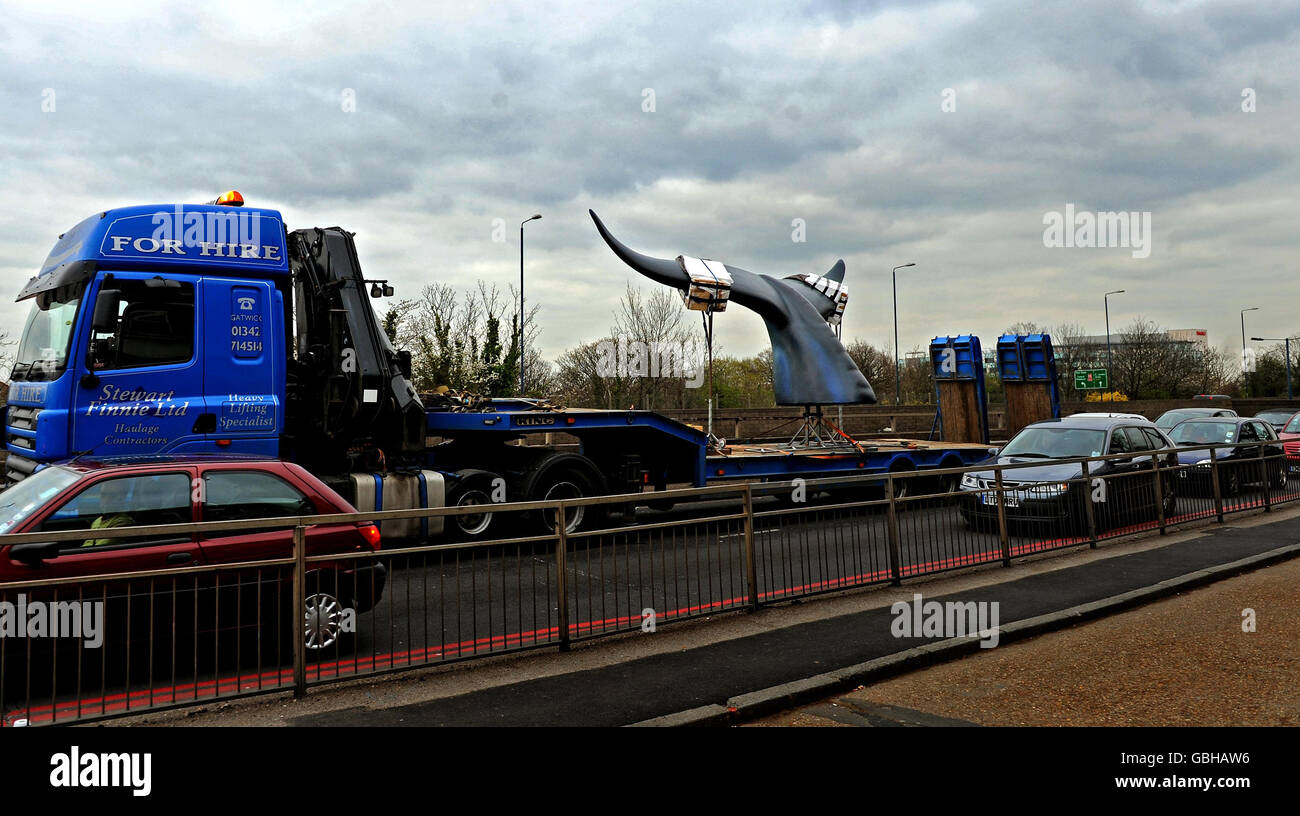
43 350
29 495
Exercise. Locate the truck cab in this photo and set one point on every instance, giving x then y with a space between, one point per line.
153 329
192 329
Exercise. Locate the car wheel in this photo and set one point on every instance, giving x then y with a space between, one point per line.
327 621
979 524
1170 503
1280 482
1232 483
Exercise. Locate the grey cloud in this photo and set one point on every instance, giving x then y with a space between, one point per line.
463 117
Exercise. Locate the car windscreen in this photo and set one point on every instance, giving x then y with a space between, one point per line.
29 495
1056 443
1169 419
1203 432
1274 417
1293 426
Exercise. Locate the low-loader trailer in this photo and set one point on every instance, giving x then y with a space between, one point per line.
213 328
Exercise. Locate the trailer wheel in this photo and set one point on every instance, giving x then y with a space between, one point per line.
902 487
560 477
565 484
949 484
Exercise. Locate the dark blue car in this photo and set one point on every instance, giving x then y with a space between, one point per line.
1239 460
1050 492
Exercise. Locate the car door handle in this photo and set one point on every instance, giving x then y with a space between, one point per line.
180 558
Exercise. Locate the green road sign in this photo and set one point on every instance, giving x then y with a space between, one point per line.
1091 378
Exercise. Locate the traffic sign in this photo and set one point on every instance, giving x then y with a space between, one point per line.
1086 378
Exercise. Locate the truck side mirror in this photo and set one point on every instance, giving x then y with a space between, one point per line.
106 308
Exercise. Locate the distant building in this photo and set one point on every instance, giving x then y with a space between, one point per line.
1093 341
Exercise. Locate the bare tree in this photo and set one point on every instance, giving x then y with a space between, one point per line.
463 340
583 377
877 365
7 344
1024 327
1151 365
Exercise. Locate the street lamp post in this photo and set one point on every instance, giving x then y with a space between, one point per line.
898 374
1245 375
1287 342
521 300
1110 362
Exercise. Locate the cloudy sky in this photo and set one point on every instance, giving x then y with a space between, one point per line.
938 133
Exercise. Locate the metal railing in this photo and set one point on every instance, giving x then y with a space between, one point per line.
568 572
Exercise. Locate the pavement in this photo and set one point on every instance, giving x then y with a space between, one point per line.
1187 660
742 667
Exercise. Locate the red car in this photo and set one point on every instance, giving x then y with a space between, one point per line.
91 495
1290 436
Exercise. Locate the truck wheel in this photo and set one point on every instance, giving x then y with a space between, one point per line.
558 477
564 484
902 487
469 526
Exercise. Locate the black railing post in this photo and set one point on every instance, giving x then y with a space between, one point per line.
1003 538
561 574
298 622
1089 507
1263 477
751 562
1214 482
895 556
1159 493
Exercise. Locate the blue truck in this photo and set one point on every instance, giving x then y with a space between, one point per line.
212 328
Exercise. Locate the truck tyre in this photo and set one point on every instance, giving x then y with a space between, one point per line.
473 489
902 487
565 476
948 485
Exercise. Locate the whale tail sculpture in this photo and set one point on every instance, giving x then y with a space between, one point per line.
810 365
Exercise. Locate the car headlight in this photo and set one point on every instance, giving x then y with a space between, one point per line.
969 480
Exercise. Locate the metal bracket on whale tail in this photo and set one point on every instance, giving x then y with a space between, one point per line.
810 365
